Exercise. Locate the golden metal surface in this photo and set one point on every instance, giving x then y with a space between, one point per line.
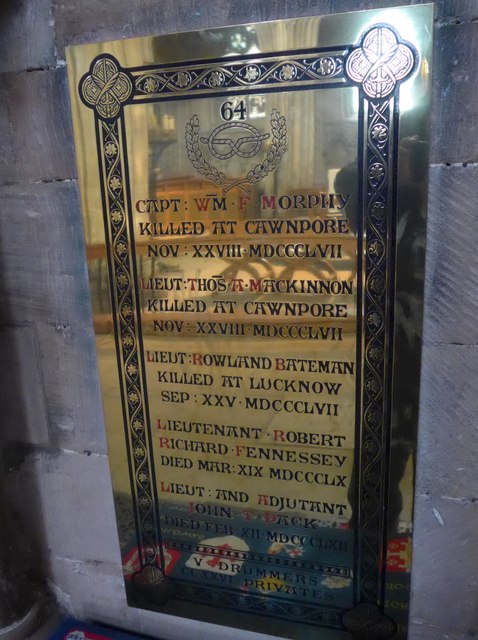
253 204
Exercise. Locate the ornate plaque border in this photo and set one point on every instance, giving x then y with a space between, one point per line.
376 65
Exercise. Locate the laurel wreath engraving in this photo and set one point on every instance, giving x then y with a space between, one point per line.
260 171
195 154
277 150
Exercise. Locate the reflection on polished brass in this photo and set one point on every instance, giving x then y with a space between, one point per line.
254 203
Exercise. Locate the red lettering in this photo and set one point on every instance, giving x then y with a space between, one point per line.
280 364
268 202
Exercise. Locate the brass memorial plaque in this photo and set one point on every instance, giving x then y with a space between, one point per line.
254 211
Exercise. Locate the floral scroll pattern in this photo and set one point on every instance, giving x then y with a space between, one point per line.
376 332
378 63
129 348
298 70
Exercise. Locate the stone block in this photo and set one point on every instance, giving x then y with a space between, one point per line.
186 15
7 162
454 122
40 122
92 21
26 35
417 630
113 20
453 11
444 578
451 303
96 591
44 275
250 11
448 447
67 499
22 397
69 371
179 16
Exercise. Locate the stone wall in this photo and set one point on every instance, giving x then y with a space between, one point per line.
54 451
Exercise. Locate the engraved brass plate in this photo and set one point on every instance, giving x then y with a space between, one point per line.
254 211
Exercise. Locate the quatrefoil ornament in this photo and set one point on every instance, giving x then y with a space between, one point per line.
106 88
380 62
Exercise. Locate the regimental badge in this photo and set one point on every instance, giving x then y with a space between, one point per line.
236 138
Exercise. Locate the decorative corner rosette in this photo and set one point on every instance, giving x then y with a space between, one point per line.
106 88
155 585
368 622
380 61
